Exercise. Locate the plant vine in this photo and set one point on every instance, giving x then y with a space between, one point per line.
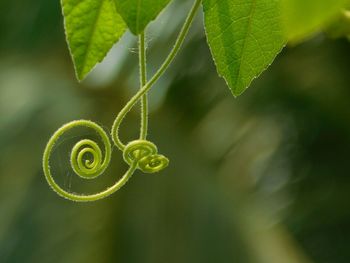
138 154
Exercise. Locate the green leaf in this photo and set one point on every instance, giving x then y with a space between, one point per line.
244 37
305 17
92 28
139 13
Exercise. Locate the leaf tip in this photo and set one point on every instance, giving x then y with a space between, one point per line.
80 76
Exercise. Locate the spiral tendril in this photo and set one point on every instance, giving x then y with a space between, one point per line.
86 169
153 163
87 159
145 154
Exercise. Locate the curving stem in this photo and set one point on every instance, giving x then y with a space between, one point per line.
178 44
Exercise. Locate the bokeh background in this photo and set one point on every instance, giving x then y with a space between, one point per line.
259 179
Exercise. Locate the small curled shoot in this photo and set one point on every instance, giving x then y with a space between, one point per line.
145 154
153 163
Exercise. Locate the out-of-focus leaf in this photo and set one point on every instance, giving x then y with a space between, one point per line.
244 37
340 27
139 13
303 18
92 28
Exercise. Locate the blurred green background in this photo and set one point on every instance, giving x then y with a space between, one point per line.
259 179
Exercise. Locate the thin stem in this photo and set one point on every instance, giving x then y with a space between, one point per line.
179 41
143 81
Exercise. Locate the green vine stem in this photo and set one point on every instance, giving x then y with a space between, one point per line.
178 44
143 80
139 154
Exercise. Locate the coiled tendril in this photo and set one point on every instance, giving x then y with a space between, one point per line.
86 169
145 154
88 160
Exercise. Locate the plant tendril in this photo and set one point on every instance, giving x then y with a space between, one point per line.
88 160
145 154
